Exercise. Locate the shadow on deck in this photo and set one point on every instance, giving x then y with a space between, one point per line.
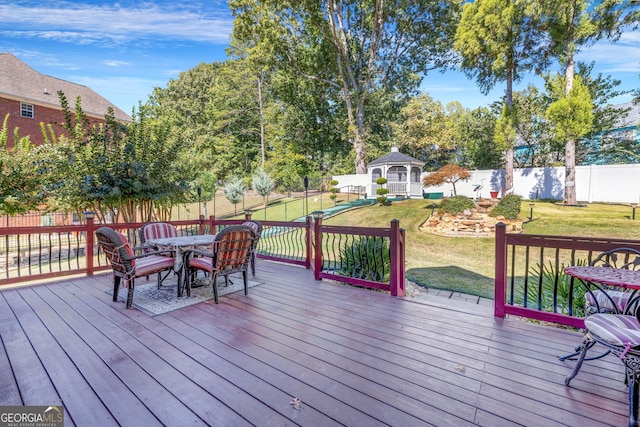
351 356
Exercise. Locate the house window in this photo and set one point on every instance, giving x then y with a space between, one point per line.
26 110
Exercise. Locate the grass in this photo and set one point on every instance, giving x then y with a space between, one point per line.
455 263
467 264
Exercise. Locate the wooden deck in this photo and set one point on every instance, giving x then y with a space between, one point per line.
353 357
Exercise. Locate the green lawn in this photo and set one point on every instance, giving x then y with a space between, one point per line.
466 264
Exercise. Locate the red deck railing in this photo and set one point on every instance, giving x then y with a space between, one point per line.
369 257
529 277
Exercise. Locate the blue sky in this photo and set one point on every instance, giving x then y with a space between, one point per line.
124 49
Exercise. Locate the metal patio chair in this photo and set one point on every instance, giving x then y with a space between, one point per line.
231 253
126 265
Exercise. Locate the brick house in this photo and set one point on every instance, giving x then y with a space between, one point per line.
31 98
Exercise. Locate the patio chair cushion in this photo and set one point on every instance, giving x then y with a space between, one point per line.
615 329
158 230
202 263
620 298
153 264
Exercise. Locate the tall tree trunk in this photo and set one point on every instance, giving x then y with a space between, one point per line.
509 155
570 146
359 142
261 113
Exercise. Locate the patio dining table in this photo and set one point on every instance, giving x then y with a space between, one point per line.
180 245
617 277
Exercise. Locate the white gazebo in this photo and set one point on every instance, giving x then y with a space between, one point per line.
403 174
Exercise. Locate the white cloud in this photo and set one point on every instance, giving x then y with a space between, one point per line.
99 24
114 63
620 57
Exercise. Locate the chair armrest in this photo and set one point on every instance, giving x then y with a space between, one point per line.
146 254
189 252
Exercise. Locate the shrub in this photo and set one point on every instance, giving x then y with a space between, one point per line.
367 258
381 192
508 207
333 190
456 204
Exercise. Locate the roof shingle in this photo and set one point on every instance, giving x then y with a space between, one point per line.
18 80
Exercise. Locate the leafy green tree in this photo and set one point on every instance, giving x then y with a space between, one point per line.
500 40
572 25
128 171
570 115
473 132
20 184
234 191
262 184
422 131
352 47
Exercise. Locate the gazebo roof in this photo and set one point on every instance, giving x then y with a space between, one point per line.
396 158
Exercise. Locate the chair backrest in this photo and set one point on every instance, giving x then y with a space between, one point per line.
232 248
157 230
625 258
255 225
117 249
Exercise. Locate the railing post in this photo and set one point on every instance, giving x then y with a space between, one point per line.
317 235
201 225
500 286
309 253
396 260
89 215
212 224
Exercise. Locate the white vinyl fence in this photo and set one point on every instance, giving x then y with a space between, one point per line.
596 183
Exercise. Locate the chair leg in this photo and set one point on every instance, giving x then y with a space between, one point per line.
130 293
253 264
633 379
246 283
116 287
215 286
587 343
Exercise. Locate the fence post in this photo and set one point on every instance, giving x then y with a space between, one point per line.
308 255
396 260
212 224
89 215
500 286
201 225
317 235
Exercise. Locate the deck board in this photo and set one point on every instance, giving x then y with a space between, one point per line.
353 357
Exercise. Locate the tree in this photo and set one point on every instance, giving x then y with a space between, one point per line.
20 182
262 184
447 174
473 132
234 191
422 131
571 25
113 168
353 47
570 116
500 40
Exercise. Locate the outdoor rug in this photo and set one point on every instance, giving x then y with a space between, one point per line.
153 301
